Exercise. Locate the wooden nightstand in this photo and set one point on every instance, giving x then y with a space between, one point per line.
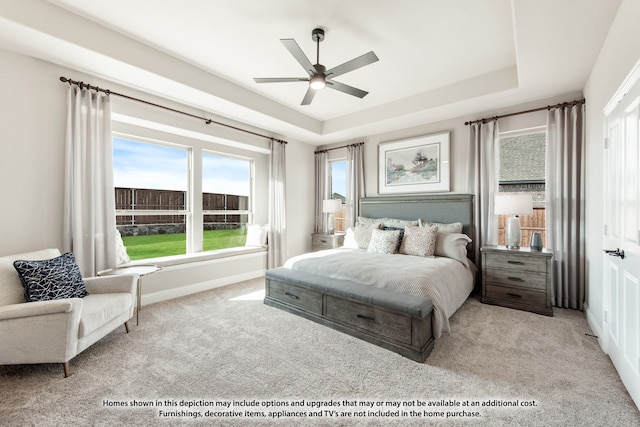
517 278
326 241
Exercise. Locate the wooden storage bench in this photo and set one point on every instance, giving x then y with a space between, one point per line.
397 322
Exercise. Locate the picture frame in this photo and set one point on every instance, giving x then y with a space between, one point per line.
414 165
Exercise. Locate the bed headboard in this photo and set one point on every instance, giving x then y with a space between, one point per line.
445 208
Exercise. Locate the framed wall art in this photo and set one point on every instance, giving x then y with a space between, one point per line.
414 165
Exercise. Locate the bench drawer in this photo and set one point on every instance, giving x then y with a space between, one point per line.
306 299
395 326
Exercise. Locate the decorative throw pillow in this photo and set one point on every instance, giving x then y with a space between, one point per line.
452 245
419 241
350 239
51 279
384 241
257 235
122 257
454 227
362 234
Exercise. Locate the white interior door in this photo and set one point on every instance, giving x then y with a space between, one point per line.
622 235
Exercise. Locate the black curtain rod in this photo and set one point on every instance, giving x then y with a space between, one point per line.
548 107
336 148
205 119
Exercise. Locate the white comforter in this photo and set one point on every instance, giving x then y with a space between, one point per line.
446 282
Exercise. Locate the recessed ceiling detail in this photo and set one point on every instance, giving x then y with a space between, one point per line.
319 77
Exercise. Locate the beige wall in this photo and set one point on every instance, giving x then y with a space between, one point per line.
459 139
33 115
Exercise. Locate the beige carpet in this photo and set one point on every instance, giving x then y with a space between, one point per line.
225 347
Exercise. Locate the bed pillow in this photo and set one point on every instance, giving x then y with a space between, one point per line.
384 241
454 227
257 235
350 239
419 241
51 279
398 223
452 245
363 220
362 234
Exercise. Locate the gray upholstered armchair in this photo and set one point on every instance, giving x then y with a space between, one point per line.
56 331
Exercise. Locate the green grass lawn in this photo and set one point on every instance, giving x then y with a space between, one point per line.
158 245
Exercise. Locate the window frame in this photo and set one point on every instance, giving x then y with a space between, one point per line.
193 212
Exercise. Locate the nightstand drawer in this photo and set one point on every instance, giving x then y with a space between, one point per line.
514 295
392 325
516 278
326 241
306 299
516 262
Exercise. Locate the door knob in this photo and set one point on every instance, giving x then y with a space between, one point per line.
616 252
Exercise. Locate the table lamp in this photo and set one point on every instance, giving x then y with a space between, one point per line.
331 207
513 204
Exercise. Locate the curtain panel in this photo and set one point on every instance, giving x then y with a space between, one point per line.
482 181
565 158
321 189
277 249
89 227
355 183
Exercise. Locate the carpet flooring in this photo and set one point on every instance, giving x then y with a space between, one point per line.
222 357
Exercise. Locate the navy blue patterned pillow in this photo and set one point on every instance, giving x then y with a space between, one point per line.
56 278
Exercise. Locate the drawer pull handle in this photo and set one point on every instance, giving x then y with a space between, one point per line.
515 279
515 262
290 295
363 317
514 295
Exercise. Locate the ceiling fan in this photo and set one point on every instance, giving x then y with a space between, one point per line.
319 76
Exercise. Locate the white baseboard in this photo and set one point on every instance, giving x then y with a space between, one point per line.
595 327
181 291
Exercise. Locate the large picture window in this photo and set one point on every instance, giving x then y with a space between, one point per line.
522 171
156 189
338 180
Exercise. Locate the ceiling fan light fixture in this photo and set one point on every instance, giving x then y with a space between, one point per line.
317 82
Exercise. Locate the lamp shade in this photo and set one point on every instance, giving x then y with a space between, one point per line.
331 206
514 204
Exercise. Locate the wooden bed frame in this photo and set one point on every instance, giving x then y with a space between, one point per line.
400 323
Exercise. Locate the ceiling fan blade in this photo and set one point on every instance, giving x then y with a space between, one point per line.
354 64
308 97
299 55
346 89
280 79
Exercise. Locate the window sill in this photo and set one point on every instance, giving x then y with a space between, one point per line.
177 260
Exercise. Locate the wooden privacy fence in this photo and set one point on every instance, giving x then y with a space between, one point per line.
528 224
142 199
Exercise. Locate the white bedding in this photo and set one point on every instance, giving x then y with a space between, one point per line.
445 281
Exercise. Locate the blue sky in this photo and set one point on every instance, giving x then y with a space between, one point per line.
140 165
339 177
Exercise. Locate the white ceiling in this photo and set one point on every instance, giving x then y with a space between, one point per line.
438 59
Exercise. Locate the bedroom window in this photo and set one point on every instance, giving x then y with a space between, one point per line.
338 190
226 191
522 170
156 188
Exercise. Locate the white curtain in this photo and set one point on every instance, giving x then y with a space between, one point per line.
482 181
322 188
277 252
565 159
355 182
89 228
